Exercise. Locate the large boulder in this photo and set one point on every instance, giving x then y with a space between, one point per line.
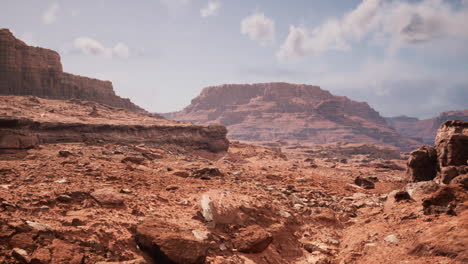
169 243
422 164
452 150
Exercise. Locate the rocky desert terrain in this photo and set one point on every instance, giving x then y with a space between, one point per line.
174 201
89 177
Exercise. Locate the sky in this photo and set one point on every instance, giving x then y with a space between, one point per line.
403 57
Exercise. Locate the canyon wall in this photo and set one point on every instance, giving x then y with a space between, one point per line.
27 70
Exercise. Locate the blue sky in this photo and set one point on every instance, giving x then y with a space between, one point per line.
401 56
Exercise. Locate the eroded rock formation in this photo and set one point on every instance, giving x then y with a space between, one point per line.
283 111
447 159
27 70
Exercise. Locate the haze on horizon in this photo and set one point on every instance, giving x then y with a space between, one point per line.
403 57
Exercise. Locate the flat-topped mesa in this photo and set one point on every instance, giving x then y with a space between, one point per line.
284 111
287 97
27 70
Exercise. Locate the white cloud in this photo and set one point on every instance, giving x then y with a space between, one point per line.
211 9
50 15
394 24
121 50
259 27
93 47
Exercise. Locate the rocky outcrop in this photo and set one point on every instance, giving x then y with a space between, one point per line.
25 133
283 111
26 70
424 130
452 150
28 122
448 159
422 164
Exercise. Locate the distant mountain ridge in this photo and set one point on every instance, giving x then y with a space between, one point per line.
284 111
424 130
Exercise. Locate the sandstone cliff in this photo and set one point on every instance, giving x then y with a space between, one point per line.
424 130
26 122
283 111
26 70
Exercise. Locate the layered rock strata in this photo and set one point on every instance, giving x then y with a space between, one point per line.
29 121
283 111
27 70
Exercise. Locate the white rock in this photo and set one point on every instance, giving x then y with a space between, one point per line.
200 234
61 181
207 207
392 239
38 226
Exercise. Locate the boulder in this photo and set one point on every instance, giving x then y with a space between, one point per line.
169 243
364 182
422 164
452 143
224 207
252 239
108 197
445 200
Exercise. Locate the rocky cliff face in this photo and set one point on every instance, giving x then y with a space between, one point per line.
26 70
283 111
424 130
28 121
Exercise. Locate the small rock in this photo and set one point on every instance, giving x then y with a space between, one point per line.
126 191
285 214
21 255
182 174
402 196
253 239
63 181
207 172
108 197
207 207
38 226
392 239
172 188
136 160
364 182
64 198
65 153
